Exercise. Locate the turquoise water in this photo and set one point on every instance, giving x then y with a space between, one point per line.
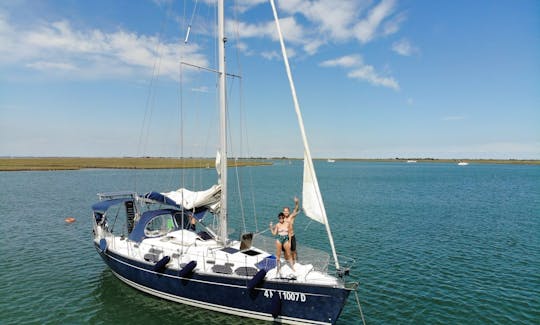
434 243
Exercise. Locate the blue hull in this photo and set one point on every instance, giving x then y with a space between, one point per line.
288 302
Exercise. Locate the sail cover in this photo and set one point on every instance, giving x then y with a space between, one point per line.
311 196
192 200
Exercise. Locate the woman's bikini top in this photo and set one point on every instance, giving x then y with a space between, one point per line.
283 229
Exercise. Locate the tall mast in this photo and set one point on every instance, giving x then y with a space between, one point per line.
223 124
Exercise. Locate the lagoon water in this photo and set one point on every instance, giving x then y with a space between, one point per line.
434 243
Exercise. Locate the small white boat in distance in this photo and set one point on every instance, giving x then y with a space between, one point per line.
463 163
331 160
411 161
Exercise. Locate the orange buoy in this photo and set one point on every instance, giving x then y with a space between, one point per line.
69 220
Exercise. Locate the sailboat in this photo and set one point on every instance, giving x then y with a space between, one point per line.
161 253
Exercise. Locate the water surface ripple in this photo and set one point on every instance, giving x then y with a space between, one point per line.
434 243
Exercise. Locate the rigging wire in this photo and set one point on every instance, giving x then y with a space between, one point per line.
238 183
244 126
191 130
151 95
194 173
359 306
182 114
197 150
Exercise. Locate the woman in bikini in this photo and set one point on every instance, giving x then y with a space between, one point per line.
282 231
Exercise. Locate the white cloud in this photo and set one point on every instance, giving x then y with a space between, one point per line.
332 18
43 65
202 89
404 47
393 24
329 21
271 55
245 5
162 2
245 49
58 47
360 70
293 32
312 46
344 61
369 74
246 30
307 25
366 30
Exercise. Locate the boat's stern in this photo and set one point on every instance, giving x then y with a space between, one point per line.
111 208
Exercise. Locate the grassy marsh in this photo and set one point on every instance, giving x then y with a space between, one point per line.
72 163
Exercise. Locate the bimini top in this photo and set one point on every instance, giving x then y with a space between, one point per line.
102 206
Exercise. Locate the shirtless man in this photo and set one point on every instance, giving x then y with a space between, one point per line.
289 218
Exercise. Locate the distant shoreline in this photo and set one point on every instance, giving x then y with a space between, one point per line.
76 163
450 161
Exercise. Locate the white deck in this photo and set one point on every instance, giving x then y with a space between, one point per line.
183 246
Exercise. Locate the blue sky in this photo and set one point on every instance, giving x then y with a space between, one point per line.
375 79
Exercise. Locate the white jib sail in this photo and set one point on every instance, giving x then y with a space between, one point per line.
312 202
